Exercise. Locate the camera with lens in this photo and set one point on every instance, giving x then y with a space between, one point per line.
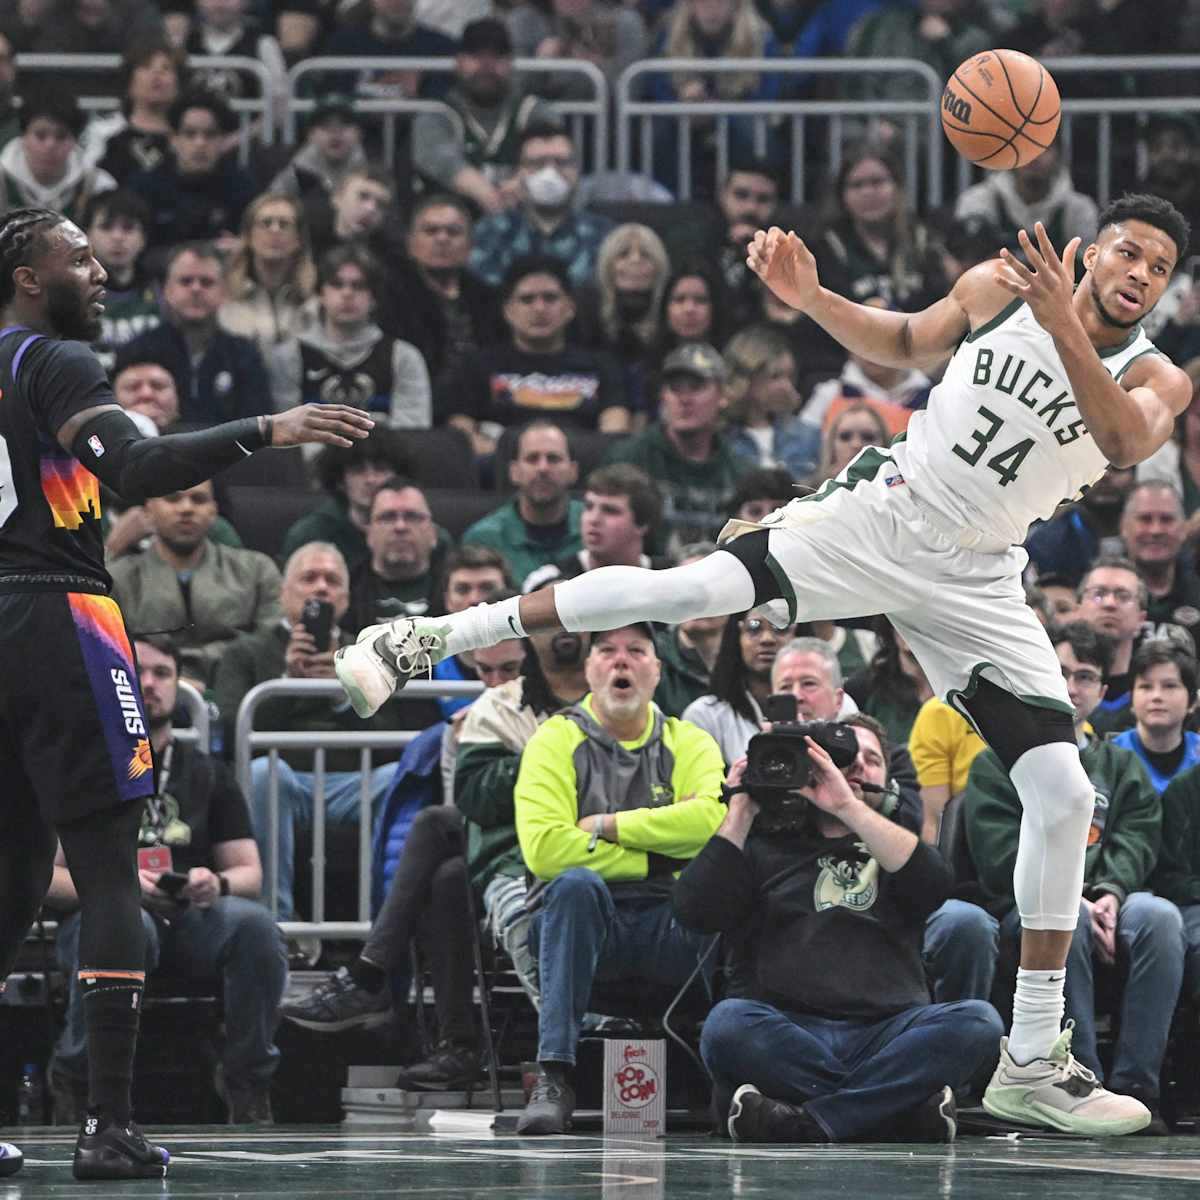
778 763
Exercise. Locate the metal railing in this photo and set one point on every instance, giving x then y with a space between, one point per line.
578 113
917 118
365 741
198 733
249 109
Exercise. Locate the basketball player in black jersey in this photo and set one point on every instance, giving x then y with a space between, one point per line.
75 757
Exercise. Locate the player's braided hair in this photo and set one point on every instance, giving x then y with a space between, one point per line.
20 231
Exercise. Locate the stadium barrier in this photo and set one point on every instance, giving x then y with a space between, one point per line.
262 109
251 741
577 113
917 119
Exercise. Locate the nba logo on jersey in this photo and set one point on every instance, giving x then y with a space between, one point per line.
894 480
97 446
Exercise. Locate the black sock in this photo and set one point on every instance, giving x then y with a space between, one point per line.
112 1003
367 975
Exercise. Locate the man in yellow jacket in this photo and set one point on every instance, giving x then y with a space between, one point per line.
611 800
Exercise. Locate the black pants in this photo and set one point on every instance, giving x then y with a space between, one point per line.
428 900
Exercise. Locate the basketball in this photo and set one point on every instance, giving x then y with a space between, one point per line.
1000 109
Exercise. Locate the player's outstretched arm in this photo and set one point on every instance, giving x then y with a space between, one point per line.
1129 420
107 442
786 265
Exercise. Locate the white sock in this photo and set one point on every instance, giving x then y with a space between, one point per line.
1037 1014
483 625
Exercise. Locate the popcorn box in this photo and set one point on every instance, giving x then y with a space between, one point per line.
635 1086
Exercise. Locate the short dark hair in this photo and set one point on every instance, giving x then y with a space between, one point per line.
1115 562
534 264
754 164
862 720
624 479
42 100
1161 651
541 423
474 557
351 254
22 237
1151 210
224 116
542 129
164 643
395 483
205 250
121 205
385 447
440 200
763 483
1086 644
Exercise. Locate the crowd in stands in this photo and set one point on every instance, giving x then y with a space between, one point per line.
607 391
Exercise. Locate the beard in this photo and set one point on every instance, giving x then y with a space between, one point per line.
1106 316
70 314
567 649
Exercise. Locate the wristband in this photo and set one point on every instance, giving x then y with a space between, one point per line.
595 838
224 880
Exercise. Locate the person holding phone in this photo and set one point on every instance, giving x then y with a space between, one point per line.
314 597
200 877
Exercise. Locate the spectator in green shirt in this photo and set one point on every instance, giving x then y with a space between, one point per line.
540 524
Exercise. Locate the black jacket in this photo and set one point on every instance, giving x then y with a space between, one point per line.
814 924
229 382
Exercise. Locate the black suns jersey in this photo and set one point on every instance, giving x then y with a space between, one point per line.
49 503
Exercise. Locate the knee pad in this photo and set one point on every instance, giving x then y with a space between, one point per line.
1058 801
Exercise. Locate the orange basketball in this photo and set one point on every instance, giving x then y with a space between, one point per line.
1000 109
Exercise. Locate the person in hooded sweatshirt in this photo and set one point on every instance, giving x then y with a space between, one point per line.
345 358
1041 190
44 167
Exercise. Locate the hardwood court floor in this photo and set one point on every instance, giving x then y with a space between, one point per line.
307 1163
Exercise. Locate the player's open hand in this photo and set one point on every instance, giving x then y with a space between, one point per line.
332 424
1047 285
786 265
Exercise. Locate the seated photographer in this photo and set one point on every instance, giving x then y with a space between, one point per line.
808 669
1121 924
201 877
610 797
828 1034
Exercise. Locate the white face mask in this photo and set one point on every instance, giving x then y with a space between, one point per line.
548 188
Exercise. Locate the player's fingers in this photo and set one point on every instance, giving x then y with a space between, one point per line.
1068 258
1032 252
1010 283
1014 264
1045 245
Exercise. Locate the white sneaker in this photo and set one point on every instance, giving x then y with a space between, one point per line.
1060 1093
385 657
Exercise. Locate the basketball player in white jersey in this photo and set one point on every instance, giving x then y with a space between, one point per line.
1047 384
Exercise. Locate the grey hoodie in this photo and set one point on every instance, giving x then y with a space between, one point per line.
411 399
80 182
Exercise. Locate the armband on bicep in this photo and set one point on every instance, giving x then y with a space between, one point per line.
137 468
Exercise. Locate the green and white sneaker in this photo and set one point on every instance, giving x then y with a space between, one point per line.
1060 1093
385 657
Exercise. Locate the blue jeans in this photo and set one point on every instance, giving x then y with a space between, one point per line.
581 935
342 790
1191 938
852 1077
236 940
1150 952
962 941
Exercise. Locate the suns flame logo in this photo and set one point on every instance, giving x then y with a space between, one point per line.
141 762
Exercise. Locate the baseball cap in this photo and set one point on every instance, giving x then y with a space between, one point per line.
486 34
333 104
644 627
695 358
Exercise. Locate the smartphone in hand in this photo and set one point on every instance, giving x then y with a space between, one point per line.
317 617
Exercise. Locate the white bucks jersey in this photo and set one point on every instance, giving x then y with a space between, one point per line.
1002 442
